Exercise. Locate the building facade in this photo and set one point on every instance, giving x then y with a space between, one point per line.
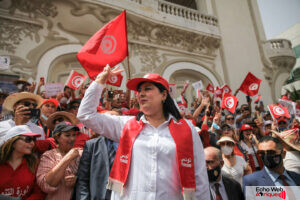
215 41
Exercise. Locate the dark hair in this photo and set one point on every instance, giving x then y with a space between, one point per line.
275 140
169 106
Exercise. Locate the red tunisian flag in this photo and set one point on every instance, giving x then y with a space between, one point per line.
75 80
229 102
115 80
218 92
210 88
277 110
226 89
250 85
107 46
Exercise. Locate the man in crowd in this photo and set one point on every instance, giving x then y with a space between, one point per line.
221 187
271 151
24 107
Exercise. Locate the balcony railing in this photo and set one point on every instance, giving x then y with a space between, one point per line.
184 12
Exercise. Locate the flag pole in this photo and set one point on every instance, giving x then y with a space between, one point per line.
128 93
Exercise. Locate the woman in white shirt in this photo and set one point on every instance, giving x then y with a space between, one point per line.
151 162
234 167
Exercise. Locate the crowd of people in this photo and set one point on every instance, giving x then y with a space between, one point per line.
96 143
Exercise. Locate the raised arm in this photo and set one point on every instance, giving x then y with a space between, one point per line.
106 125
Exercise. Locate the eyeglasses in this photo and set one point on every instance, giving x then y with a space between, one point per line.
61 119
226 129
267 152
28 139
226 143
27 104
230 118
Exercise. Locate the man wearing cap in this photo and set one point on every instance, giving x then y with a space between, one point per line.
47 108
282 124
24 107
221 187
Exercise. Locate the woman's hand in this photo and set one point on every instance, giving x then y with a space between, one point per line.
107 73
70 180
73 153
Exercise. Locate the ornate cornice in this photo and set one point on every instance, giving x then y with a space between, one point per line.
12 33
34 7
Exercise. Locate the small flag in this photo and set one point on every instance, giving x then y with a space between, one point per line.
75 80
278 111
229 102
115 80
250 85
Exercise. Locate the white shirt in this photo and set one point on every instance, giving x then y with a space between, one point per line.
153 170
250 151
291 161
8 124
235 172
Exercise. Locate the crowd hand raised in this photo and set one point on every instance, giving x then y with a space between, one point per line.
21 116
70 180
205 101
107 73
258 123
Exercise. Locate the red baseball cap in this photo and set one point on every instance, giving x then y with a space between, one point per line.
281 120
54 101
246 127
150 77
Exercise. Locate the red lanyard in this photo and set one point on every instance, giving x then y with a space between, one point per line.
48 130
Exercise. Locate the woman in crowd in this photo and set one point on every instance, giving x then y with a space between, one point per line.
160 155
57 169
18 165
248 143
234 166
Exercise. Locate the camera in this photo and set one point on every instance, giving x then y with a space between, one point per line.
34 113
110 95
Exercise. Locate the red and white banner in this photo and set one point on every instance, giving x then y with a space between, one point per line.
229 102
115 80
210 88
198 85
277 110
226 89
250 85
75 80
107 46
199 94
290 105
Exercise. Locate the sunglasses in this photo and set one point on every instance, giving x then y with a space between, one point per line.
281 123
28 139
27 104
230 118
267 152
61 119
226 143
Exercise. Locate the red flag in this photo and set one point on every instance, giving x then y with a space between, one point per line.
107 46
218 92
210 88
226 89
278 111
257 99
115 80
229 102
250 85
75 80
199 94
183 101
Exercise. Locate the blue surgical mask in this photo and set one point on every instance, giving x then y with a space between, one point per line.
44 117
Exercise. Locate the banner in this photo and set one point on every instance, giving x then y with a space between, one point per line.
52 89
107 46
198 85
4 62
250 85
290 105
75 80
210 88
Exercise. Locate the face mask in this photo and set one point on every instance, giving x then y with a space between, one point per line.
213 174
44 117
271 161
227 150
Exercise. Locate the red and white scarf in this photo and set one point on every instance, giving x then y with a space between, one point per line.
182 135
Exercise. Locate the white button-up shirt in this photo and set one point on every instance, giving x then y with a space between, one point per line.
153 170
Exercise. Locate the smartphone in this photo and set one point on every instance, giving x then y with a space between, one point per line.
110 95
248 98
34 113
